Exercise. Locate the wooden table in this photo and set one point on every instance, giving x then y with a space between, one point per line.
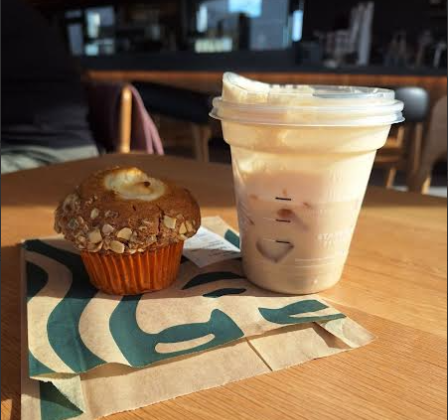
394 285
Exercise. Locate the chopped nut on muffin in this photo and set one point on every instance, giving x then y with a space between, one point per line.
123 210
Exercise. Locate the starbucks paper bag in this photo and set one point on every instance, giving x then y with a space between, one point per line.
88 354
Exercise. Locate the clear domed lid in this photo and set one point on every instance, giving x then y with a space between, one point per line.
250 102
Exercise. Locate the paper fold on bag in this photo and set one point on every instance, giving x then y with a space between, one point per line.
212 327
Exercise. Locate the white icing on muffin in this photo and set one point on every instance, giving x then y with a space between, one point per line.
134 184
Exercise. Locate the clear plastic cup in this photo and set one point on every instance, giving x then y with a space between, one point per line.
302 158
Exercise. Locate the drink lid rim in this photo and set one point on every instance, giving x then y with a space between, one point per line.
385 112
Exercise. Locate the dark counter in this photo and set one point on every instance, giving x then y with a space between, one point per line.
241 61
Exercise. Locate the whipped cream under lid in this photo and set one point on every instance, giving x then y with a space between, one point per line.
250 102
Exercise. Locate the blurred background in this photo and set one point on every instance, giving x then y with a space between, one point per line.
169 56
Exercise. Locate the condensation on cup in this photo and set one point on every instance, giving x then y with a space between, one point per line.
302 157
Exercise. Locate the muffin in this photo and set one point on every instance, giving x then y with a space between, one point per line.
130 229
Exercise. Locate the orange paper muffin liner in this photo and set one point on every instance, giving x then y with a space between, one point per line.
122 274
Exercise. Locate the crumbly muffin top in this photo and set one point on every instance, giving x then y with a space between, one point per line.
124 211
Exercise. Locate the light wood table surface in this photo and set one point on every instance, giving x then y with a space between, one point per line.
394 284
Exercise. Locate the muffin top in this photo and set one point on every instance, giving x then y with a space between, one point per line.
124 211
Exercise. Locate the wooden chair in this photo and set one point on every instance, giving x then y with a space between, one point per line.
181 105
125 120
119 119
403 149
201 137
435 147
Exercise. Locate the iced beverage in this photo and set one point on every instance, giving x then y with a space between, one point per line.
302 157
